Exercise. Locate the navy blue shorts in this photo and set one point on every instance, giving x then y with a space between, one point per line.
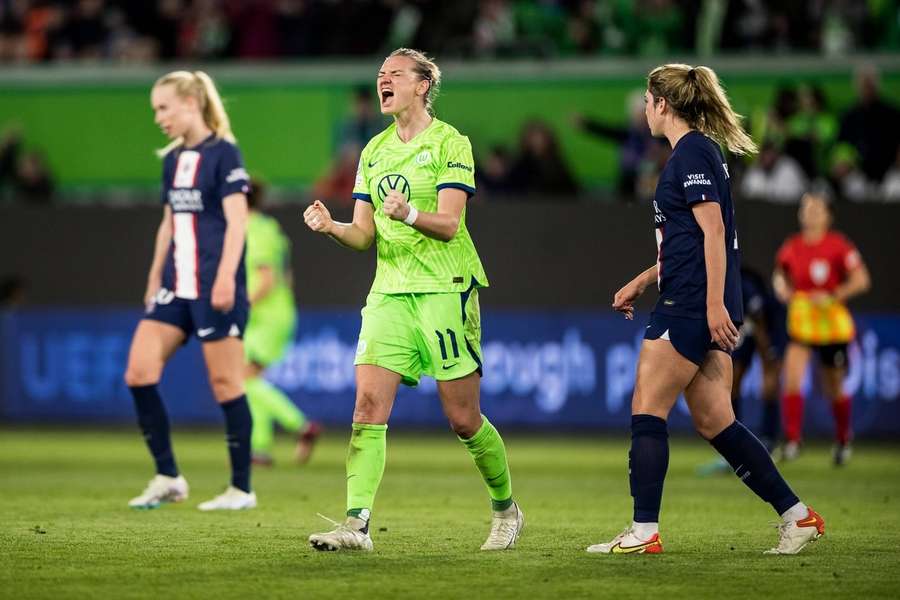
689 337
199 317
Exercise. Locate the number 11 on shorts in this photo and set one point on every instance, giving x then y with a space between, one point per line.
452 335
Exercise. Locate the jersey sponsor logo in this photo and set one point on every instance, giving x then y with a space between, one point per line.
359 174
696 179
186 200
206 331
361 346
459 165
238 174
186 169
235 331
423 158
393 182
725 168
819 270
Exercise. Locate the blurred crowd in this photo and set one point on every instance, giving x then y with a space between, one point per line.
24 173
151 30
853 155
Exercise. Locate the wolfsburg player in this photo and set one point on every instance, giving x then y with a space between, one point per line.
269 332
421 316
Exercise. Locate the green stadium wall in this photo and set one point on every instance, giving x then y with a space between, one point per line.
96 127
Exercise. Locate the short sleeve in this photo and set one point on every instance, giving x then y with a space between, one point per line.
696 173
233 178
457 167
783 258
850 255
361 185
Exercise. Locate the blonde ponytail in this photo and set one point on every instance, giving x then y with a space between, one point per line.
696 96
198 85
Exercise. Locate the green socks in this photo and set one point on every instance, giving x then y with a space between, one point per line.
269 405
365 466
489 454
366 457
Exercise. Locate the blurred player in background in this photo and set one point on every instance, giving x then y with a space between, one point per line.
816 272
422 314
762 333
694 326
273 317
196 285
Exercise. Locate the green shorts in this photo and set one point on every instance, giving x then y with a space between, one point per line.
414 334
266 340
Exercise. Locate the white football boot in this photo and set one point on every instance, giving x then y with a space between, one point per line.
794 535
161 488
231 499
506 527
628 543
352 534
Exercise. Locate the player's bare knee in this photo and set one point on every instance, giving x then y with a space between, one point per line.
139 375
464 425
368 409
710 425
225 387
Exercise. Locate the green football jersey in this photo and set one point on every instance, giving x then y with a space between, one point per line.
268 246
408 261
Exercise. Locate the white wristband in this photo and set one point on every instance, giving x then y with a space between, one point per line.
411 216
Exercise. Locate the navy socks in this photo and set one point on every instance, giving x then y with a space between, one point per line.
753 465
648 461
238 427
154 423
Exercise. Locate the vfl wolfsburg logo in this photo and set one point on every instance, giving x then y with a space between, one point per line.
393 182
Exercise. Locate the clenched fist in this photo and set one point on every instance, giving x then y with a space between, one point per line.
317 218
395 206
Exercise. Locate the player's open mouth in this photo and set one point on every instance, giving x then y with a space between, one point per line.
386 94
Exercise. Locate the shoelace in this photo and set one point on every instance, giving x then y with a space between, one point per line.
502 530
342 530
783 528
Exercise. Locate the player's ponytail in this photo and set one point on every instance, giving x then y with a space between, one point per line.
198 85
696 96
213 109
428 70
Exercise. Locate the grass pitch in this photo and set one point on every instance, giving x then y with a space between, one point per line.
66 532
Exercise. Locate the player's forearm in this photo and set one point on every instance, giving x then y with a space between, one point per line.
647 277
714 251
438 226
266 278
857 283
350 236
232 247
160 250
781 286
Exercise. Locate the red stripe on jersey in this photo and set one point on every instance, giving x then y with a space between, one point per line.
194 182
174 254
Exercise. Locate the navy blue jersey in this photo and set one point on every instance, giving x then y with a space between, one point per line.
194 182
696 172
